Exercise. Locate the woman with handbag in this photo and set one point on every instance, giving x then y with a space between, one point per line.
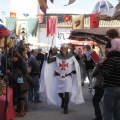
20 84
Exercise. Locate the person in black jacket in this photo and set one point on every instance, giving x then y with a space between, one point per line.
111 74
98 92
19 89
35 72
40 58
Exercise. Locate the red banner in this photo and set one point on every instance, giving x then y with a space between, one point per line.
94 21
51 26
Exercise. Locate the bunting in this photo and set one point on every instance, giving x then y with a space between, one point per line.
78 21
70 2
25 14
43 5
12 14
32 26
51 26
67 18
52 1
11 24
40 17
94 21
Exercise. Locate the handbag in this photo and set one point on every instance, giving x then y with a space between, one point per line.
97 83
20 80
98 78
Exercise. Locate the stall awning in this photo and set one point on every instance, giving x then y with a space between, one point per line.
97 34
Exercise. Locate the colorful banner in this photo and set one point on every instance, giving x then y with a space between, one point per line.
94 21
25 14
12 14
66 18
52 1
51 26
78 21
40 17
70 2
43 5
32 26
11 24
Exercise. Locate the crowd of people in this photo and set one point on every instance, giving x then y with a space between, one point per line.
60 75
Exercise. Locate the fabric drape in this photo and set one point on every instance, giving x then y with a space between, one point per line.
51 26
32 26
78 21
94 21
11 24
70 2
43 5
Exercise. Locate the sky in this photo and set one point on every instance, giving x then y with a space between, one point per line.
78 7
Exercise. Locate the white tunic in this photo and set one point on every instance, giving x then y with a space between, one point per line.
51 85
63 67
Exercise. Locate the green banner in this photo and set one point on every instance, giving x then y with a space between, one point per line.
32 26
11 24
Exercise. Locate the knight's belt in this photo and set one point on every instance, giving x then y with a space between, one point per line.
57 74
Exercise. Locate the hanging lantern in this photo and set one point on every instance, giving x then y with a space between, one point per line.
67 18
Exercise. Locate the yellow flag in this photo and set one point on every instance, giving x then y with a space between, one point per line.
78 21
42 3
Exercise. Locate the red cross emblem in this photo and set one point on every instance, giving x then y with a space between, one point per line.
63 65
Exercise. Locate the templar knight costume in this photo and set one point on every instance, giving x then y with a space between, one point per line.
61 81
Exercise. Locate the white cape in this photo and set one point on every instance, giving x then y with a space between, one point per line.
48 84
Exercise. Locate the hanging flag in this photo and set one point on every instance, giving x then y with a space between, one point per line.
25 14
52 1
78 21
11 24
43 5
40 17
51 26
66 18
70 2
12 14
94 21
32 26
94 56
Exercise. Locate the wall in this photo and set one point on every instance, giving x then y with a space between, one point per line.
46 42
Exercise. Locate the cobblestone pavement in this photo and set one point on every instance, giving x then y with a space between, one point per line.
42 111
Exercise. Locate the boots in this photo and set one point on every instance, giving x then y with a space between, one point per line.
22 109
62 97
66 103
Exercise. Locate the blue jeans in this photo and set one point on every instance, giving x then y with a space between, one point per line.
34 90
111 103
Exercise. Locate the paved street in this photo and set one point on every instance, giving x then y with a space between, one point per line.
42 111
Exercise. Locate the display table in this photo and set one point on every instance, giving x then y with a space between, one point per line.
10 112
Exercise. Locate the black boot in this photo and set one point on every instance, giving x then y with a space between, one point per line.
62 97
66 103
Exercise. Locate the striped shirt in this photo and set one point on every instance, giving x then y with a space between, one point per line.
111 72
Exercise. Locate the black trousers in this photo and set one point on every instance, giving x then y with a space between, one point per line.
96 99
